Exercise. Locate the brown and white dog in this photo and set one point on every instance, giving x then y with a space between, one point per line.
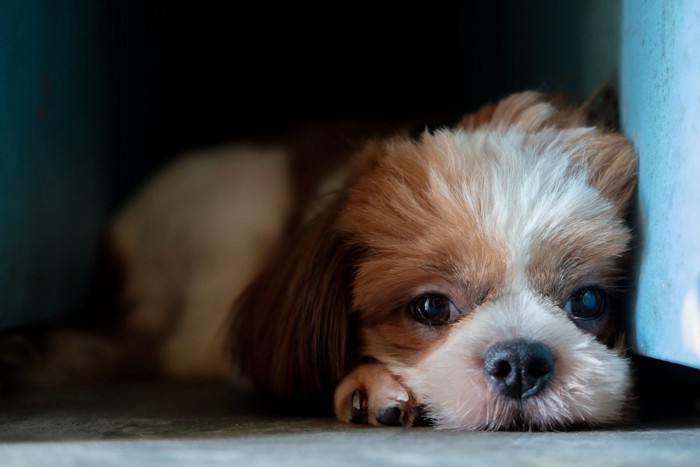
469 276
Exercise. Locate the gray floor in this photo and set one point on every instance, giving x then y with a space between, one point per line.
200 426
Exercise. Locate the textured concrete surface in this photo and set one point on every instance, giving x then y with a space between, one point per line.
200 426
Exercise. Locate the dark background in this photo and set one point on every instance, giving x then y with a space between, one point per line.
191 75
95 96
187 75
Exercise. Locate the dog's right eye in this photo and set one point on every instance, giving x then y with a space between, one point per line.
585 304
432 309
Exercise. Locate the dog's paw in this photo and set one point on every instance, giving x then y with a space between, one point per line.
370 394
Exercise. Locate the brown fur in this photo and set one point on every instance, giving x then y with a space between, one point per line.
294 328
290 325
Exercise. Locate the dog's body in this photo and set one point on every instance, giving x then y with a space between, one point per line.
468 276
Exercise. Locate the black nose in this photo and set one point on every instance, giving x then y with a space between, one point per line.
519 369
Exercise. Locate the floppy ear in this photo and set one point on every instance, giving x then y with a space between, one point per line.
289 328
607 155
532 111
528 111
611 163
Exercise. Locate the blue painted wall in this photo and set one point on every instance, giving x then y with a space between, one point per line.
55 151
660 82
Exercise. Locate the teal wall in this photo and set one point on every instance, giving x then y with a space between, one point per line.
660 107
567 46
55 150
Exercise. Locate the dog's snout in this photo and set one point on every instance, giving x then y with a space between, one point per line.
518 368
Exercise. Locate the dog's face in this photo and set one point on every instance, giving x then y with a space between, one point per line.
480 266
489 270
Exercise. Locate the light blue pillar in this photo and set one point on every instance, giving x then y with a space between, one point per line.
660 104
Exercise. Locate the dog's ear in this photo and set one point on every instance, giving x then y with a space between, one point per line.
289 328
528 112
606 154
611 163
532 111
602 109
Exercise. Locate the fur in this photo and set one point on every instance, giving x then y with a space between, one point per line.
506 215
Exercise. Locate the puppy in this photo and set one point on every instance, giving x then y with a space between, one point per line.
469 276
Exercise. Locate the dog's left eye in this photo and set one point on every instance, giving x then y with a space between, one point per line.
586 303
432 309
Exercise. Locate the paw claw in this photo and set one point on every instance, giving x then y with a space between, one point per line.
359 408
372 395
403 397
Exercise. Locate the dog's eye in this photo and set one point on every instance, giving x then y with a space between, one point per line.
433 309
586 303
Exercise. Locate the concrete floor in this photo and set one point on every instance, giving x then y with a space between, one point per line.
184 425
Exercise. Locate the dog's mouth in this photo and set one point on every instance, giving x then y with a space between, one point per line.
520 423
520 420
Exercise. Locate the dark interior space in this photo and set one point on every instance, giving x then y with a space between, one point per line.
187 76
103 94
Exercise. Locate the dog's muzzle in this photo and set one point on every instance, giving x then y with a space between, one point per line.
519 369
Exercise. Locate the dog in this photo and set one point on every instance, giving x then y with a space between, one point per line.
471 276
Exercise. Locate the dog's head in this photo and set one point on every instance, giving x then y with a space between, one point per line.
481 265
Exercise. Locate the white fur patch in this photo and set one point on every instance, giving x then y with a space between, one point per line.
590 383
526 190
